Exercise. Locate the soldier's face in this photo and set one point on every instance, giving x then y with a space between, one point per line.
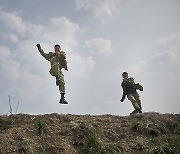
57 49
125 76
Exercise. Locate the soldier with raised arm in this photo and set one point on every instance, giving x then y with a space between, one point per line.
57 61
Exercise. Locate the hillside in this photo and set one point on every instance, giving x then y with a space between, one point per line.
150 133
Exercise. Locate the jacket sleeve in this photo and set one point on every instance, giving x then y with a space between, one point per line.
63 61
45 55
63 54
124 91
131 81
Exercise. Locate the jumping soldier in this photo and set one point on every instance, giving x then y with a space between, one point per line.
57 61
129 89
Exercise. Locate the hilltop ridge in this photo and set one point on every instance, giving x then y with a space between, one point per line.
150 133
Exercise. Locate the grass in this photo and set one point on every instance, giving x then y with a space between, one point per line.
23 147
147 128
113 149
41 127
87 137
162 149
5 124
170 146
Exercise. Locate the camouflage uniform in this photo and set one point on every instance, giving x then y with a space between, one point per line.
130 90
57 61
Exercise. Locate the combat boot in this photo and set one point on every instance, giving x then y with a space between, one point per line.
62 100
134 112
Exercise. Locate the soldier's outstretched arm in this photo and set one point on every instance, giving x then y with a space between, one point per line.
46 56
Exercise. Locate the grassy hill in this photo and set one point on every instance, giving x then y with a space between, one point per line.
147 133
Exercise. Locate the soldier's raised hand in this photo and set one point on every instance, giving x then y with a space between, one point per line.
38 46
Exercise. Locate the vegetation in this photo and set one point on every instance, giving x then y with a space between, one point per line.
86 136
147 133
41 127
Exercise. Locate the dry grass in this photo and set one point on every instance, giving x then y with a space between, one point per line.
148 133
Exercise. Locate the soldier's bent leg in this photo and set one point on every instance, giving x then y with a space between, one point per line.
136 96
61 82
62 88
57 81
133 100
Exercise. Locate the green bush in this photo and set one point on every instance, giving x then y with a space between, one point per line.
41 127
87 137
137 126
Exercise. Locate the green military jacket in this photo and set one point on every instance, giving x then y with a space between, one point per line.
57 61
128 86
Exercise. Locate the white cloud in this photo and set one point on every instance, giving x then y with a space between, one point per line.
101 9
79 66
166 57
100 45
63 30
12 21
26 34
17 76
10 37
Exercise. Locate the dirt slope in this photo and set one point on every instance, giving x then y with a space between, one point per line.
147 133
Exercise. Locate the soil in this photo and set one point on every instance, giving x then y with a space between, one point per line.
150 133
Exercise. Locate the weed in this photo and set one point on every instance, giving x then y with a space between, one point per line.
87 137
174 144
23 146
146 128
112 135
5 124
139 147
113 149
164 149
41 127
46 151
137 126
92 141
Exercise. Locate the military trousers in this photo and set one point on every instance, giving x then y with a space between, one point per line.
61 82
56 72
135 100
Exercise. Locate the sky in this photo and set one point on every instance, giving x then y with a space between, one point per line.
102 39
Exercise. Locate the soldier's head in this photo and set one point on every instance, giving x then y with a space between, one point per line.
125 75
57 48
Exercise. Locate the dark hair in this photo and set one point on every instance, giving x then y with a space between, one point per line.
57 45
124 73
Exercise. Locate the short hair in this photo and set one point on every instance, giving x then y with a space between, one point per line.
57 45
124 73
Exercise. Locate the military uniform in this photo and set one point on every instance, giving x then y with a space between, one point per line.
57 61
129 89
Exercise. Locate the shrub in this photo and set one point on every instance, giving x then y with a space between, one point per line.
41 127
87 137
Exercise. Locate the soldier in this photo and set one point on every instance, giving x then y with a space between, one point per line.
129 89
57 61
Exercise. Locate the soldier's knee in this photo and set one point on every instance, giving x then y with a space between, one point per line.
131 98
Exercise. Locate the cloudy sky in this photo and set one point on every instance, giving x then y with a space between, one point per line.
102 38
